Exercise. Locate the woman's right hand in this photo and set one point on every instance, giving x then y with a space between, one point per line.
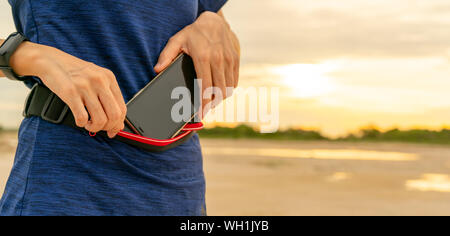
91 92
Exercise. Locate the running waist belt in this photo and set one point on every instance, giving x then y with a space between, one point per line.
43 103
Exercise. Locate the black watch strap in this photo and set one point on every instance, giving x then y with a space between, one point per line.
7 49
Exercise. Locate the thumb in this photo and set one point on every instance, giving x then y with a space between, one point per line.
170 52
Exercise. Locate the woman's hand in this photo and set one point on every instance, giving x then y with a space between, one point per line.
90 91
214 49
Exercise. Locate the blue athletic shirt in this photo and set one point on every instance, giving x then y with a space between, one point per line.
61 171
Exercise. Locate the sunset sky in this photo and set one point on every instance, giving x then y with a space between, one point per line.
340 64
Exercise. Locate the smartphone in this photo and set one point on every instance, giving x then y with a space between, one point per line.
150 111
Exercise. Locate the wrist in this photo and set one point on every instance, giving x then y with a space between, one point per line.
25 59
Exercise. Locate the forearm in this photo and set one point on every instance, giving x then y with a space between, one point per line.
24 60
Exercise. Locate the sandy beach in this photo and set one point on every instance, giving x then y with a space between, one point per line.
253 177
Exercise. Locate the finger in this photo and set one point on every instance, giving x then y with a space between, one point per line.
120 103
229 76
79 112
203 70
219 80
112 111
98 116
236 58
113 134
236 69
114 131
170 52
122 107
119 98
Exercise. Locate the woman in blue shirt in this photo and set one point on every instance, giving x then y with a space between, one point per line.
95 55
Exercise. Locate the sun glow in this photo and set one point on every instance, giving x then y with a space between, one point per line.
306 80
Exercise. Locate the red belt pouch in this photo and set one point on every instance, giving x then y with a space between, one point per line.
156 145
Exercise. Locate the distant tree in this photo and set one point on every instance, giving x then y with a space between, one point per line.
245 131
368 134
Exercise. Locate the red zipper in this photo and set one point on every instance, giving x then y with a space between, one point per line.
188 129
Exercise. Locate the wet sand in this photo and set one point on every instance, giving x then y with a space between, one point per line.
252 177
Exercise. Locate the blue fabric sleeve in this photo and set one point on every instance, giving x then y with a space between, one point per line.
210 5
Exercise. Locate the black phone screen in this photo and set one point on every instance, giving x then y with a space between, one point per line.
150 111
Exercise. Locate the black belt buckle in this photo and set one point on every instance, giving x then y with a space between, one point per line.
47 107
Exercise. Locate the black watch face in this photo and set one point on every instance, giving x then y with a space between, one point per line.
6 50
3 64
9 47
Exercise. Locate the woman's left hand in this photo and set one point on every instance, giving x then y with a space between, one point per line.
215 51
